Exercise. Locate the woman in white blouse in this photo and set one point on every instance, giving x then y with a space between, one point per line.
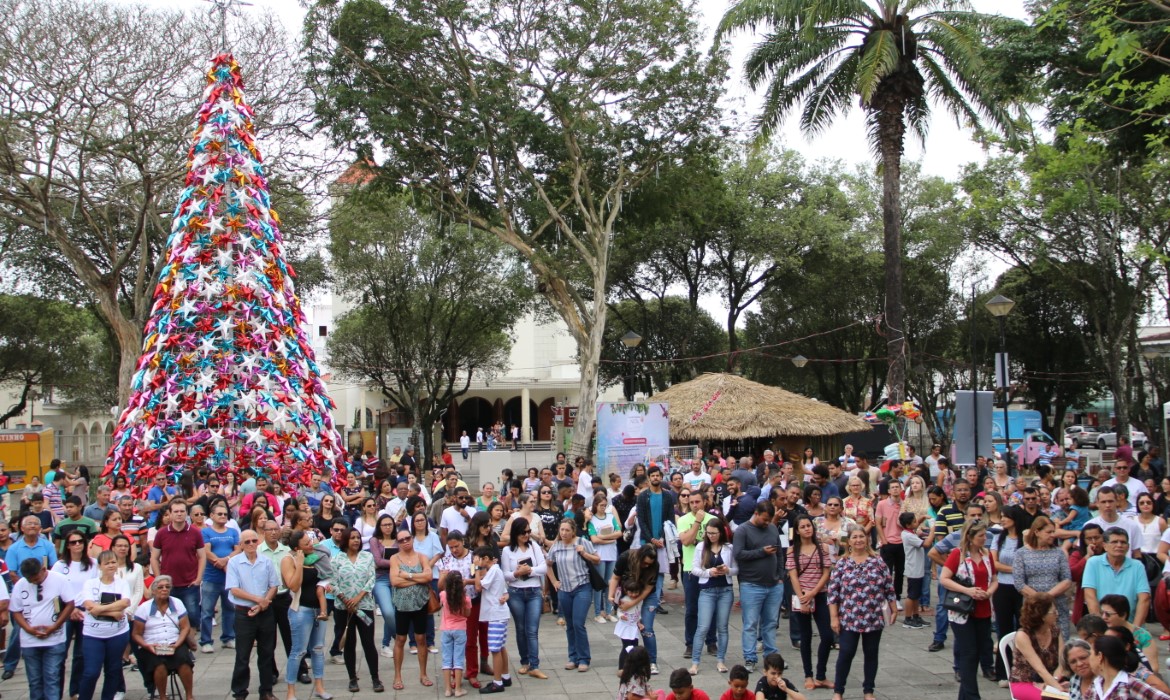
524 567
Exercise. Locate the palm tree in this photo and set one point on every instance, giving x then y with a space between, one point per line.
895 57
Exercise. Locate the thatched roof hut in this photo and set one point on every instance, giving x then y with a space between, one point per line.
729 407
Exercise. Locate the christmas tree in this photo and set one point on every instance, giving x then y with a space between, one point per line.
227 377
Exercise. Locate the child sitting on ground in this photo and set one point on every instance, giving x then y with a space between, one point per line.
737 684
773 685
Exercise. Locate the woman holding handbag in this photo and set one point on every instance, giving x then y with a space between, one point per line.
970 574
573 557
354 574
809 565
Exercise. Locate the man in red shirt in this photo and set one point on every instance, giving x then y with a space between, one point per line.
178 552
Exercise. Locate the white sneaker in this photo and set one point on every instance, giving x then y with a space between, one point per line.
899 604
433 649
653 669
388 652
230 644
207 649
119 695
214 622
600 619
378 612
339 660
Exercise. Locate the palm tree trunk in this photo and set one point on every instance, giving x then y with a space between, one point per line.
891 135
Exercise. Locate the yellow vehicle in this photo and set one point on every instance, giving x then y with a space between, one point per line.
25 454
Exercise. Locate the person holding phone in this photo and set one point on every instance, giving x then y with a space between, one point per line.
756 546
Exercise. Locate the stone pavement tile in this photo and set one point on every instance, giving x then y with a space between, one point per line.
906 671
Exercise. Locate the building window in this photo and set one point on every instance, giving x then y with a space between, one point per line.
322 331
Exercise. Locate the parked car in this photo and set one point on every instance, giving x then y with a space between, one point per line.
1137 439
1079 436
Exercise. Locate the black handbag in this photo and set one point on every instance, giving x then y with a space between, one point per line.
958 602
595 581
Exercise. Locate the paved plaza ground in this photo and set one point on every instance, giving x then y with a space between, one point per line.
907 671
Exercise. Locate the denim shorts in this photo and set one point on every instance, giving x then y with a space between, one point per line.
453 644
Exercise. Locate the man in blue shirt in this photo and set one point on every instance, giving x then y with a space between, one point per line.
157 497
220 543
252 582
1116 572
655 507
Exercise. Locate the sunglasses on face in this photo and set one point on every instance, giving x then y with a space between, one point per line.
403 540
252 541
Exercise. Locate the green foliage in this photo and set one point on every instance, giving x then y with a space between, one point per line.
1108 67
671 329
839 285
533 120
434 302
44 343
1082 212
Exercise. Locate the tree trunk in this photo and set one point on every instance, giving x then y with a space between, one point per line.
589 354
128 335
20 405
891 132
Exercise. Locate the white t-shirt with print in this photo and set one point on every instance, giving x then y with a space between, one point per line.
92 590
40 607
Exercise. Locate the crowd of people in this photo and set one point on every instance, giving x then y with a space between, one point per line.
1058 575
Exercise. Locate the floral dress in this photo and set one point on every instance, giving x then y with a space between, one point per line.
1042 569
859 509
862 593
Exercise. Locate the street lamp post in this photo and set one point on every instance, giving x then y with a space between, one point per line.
631 341
1000 306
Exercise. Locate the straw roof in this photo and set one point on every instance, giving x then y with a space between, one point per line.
745 409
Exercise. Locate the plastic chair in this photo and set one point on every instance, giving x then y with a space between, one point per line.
1007 647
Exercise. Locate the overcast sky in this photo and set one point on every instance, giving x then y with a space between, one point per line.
947 147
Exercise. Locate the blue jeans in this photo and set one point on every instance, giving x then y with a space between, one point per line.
761 609
12 654
73 642
649 611
575 608
211 593
691 598
453 644
386 605
308 637
601 602
189 595
713 609
525 605
102 657
940 618
42 665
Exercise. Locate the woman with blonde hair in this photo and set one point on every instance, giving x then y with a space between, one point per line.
915 499
858 507
1042 567
970 570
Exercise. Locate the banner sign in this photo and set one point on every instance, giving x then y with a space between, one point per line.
629 434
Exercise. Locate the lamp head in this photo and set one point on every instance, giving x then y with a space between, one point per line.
1000 306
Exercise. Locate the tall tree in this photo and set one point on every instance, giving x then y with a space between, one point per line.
532 120
43 342
435 303
672 333
896 58
1097 221
1046 339
99 100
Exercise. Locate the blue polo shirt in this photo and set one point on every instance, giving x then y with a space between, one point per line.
21 550
1130 582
